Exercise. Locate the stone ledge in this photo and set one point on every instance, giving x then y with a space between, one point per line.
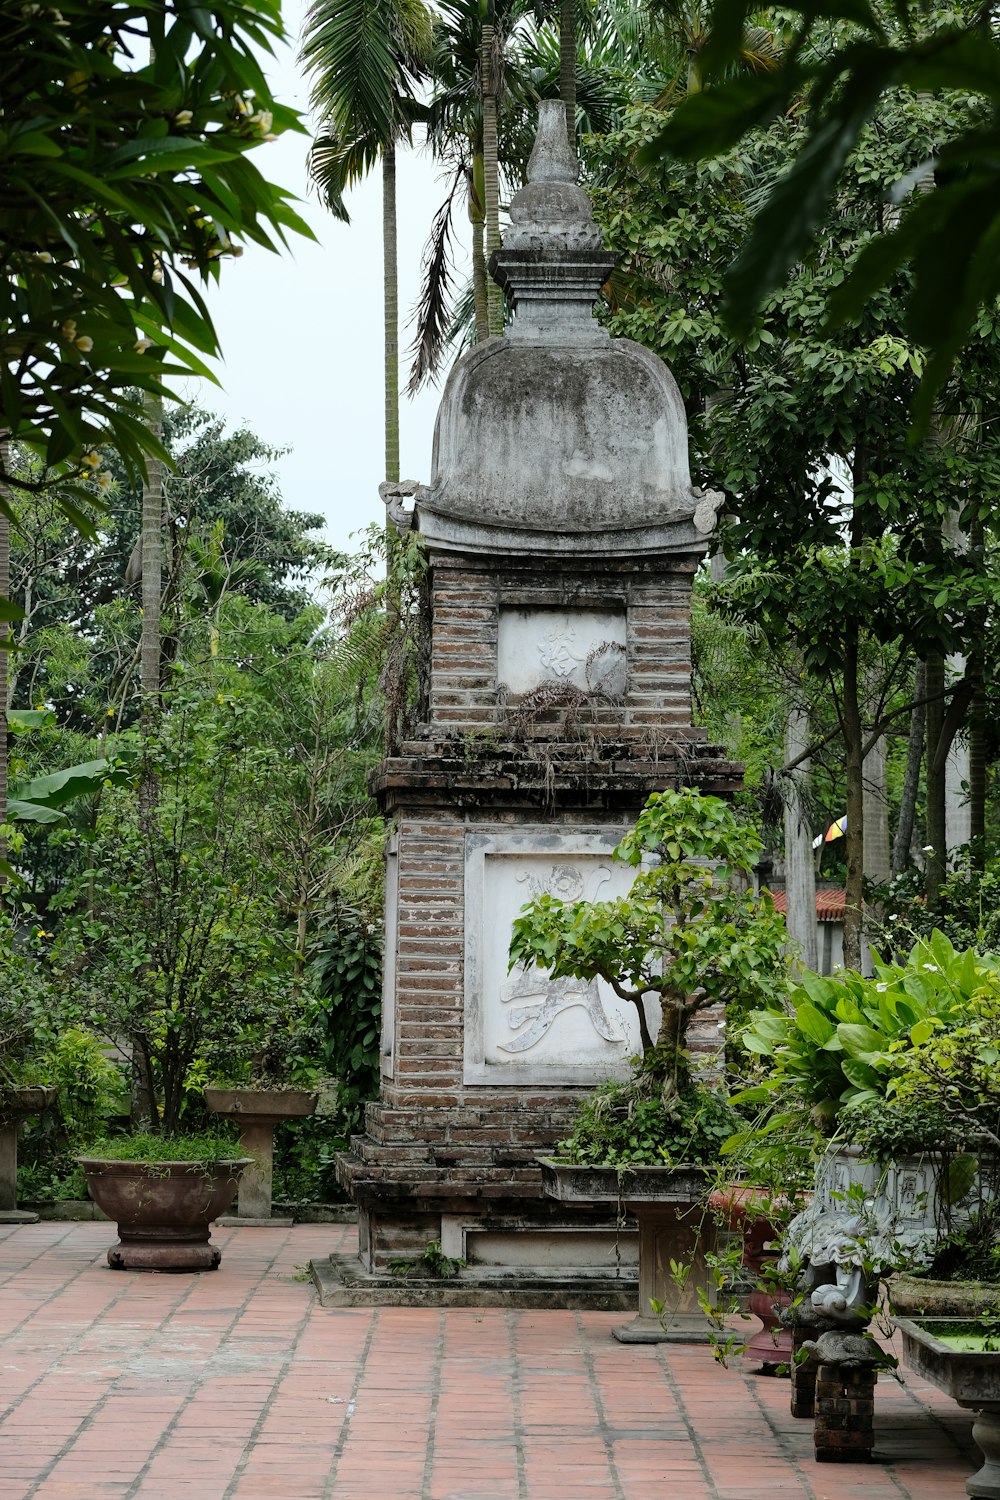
340 1281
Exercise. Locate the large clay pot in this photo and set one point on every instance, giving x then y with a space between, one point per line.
741 1207
163 1210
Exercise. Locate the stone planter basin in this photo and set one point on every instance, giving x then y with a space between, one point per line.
259 1111
18 1104
969 1376
164 1210
262 1104
572 1184
674 1226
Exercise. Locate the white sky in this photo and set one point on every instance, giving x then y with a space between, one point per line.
301 333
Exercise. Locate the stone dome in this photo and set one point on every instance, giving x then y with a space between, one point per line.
555 432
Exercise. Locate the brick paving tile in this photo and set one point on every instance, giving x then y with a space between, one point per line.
235 1386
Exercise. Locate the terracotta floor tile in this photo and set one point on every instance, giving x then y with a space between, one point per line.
235 1386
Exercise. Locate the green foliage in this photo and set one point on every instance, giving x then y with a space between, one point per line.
852 1041
203 1149
685 933
967 910
614 1128
347 1010
431 1262
92 1089
178 945
844 72
971 1253
124 149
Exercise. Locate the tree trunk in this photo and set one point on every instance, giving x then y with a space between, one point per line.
152 572
957 829
480 279
567 65
934 782
143 1106
800 869
977 777
390 303
491 170
911 777
854 838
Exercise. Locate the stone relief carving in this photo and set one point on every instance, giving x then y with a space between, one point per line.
549 998
556 653
569 648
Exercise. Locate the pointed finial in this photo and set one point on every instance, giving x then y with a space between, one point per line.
552 158
552 262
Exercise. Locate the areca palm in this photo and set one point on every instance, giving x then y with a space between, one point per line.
367 58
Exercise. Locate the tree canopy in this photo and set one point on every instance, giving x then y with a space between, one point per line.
125 141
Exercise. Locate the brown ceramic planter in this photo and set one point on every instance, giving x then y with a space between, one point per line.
740 1207
164 1210
258 1112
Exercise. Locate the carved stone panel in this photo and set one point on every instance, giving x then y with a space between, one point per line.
525 1028
580 648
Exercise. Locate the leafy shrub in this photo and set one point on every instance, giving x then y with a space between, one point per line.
847 1039
615 1127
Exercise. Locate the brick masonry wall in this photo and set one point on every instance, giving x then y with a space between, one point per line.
467 594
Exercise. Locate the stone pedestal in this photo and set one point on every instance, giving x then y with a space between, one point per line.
17 1106
258 1111
683 1234
562 535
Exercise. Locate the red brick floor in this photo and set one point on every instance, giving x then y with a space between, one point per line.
235 1386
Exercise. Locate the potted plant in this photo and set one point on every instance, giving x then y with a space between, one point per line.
691 935
882 1069
179 953
256 1096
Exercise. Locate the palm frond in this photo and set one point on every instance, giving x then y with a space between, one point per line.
431 316
335 165
347 46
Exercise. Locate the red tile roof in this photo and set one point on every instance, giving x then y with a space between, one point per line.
829 904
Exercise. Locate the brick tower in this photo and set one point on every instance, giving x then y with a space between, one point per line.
562 535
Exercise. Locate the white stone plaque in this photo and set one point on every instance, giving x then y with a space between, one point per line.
524 1027
583 648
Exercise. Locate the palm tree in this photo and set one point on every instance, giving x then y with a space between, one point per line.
367 58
